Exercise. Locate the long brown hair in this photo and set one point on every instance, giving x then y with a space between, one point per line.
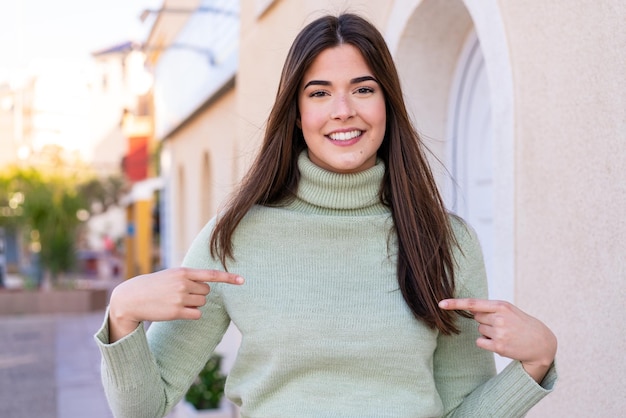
425 239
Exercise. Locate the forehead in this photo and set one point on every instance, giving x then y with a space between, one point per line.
342 61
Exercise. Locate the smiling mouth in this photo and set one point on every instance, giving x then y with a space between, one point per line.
345 136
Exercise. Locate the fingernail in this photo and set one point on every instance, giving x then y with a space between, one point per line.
239 280
443 304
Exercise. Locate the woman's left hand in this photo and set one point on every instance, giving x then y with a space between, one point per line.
510 332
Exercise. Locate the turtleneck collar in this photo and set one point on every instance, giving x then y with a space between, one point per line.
328 193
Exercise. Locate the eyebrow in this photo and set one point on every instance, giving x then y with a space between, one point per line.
356 80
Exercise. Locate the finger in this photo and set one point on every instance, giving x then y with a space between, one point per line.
484 318
487 344
190 313
469 304
486 331
215 276
198 288
194 301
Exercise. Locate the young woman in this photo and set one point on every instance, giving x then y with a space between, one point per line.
362 296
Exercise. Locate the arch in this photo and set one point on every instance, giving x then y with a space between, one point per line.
427 39
470 159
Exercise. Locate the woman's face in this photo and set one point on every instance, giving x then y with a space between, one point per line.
342 111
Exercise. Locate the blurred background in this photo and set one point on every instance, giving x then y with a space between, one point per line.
69 73
123 127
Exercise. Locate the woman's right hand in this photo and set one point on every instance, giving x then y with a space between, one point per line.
162 296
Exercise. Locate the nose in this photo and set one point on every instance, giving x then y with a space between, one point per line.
342 108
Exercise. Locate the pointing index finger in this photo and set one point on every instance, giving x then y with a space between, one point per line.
468 304
214 276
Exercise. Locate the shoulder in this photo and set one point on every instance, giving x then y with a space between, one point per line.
470 275
462 231
465 238
198 254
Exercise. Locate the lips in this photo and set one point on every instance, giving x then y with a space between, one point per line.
345 136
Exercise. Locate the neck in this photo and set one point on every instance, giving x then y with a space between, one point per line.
326 192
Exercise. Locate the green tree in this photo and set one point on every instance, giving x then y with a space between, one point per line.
102 193
45 207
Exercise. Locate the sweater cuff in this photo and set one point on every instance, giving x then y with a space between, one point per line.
549 380
130 350
521 390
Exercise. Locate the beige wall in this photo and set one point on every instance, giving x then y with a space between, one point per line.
568 62
209 133
205 167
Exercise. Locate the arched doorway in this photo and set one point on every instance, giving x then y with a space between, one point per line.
432 43
448 55
470 158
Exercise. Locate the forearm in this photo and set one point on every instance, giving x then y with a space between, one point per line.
158 366
141 400
130 377
512 393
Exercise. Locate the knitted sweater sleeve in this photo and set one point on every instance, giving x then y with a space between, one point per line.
465 374
145 374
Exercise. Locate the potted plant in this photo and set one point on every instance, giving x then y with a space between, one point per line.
205 397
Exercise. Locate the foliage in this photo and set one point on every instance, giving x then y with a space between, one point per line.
49 208
207 390
102 193
45 208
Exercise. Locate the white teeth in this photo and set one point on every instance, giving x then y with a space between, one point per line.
344 136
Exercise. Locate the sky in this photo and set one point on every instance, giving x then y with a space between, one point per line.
34 32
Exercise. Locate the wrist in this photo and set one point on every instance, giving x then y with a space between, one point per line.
544 358
121 323
536 371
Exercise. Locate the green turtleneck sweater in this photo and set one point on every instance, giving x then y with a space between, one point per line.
325 330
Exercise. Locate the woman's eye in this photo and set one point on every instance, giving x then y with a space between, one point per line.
365 90
317 93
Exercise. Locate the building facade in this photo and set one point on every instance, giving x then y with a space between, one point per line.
522 106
